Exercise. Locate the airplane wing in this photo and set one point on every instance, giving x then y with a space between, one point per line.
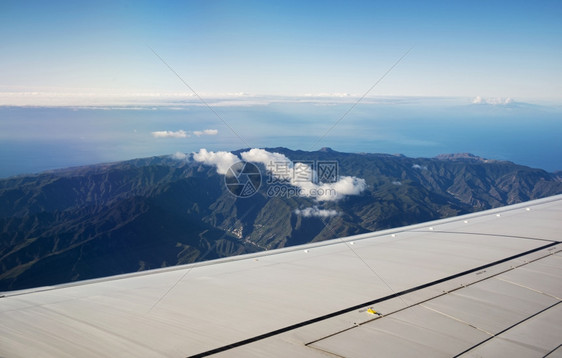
484 284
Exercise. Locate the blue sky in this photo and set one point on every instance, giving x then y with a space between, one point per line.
290 48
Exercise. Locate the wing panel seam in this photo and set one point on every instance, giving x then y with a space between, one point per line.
372 302
507 329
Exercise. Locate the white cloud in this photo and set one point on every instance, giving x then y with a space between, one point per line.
221 160
206 132
179 156
316 212
420 167
262 156
321 95
111 99
493 101
346 185
105 98
170 134
477 100
321 192
183 134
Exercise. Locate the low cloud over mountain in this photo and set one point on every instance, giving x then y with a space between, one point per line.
314 211
311 187
221 160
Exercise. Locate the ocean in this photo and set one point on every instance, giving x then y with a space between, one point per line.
34 139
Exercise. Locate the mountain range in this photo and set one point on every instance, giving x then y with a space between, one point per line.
94 221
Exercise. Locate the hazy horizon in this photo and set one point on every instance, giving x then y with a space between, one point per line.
35 139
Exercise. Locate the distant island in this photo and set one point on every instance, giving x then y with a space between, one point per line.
94 221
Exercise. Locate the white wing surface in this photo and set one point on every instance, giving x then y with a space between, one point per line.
485 284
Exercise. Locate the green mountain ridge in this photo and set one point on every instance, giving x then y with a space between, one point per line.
93 221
